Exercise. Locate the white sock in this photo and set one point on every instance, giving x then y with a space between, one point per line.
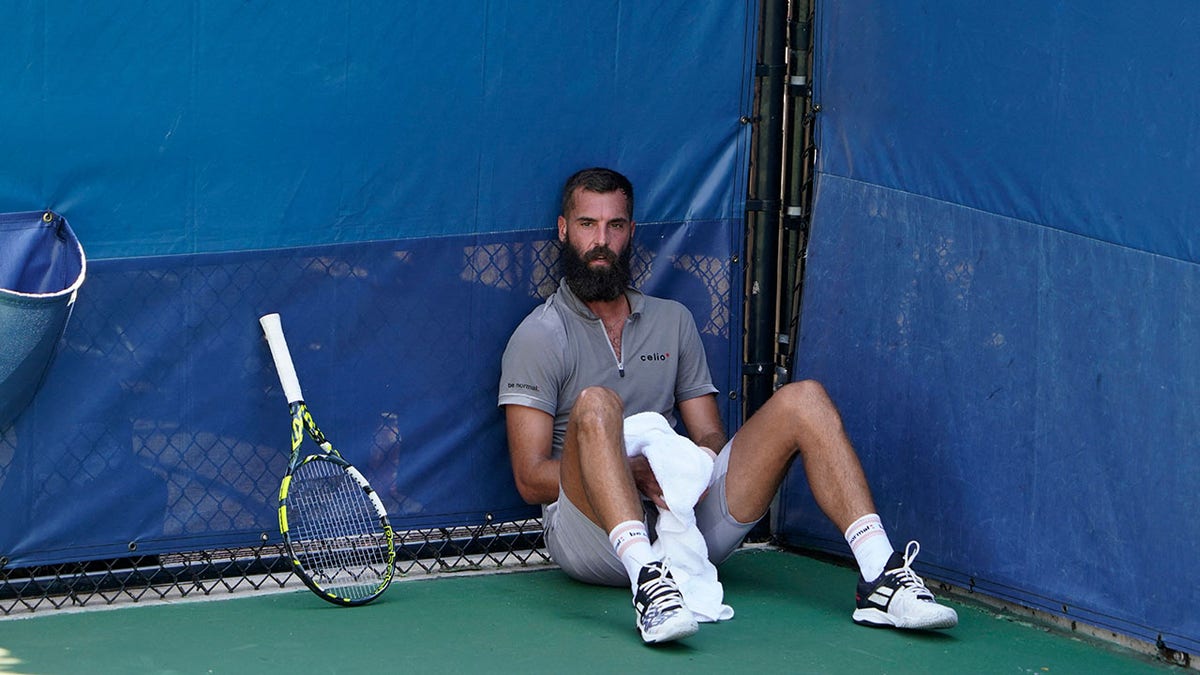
632 544
870 546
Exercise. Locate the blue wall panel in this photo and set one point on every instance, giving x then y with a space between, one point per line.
383 174
188 127
1018 396
1073 114
1001 295
162 425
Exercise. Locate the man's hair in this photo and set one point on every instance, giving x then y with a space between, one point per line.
596 180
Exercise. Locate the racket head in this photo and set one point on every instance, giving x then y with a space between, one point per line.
336 531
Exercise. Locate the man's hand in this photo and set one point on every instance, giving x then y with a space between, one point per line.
647 484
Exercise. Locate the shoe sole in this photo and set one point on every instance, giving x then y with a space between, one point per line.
671 631
878 619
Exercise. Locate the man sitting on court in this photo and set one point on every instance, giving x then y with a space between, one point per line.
571 375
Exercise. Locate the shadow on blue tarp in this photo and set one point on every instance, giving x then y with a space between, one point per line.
42 266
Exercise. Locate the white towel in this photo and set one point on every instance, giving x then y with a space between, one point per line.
683 471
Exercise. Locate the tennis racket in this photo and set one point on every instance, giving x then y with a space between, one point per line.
333 524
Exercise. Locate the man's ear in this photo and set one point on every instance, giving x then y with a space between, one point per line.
562 229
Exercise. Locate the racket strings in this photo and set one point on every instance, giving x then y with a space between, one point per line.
335 531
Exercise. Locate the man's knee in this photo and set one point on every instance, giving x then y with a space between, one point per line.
595 429
804 396
597 405
805 405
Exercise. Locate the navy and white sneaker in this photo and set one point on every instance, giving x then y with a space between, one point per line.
899 598
661 614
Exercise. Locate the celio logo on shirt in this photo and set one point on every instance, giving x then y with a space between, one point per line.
654 357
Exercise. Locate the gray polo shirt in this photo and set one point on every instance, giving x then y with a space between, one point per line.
561 348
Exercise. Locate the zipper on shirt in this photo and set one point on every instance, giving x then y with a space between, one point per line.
620 361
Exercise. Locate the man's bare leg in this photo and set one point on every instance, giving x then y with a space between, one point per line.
800 419
596 477
595 471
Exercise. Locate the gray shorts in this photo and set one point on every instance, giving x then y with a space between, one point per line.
581 548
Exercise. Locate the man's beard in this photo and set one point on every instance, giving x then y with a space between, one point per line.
591 284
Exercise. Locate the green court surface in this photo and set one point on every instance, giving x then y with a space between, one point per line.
792 616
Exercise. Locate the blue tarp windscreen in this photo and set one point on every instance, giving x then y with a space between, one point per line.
1003 295
384 175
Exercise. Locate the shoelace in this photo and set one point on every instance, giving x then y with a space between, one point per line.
656 588
907 577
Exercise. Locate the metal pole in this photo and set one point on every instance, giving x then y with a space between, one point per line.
763 208
798 185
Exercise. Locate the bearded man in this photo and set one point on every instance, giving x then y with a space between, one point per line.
574 370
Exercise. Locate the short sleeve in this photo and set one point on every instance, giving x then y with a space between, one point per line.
533 366
693 378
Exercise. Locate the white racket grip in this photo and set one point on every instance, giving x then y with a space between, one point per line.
273 329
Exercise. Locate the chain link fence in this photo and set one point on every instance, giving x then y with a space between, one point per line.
227 570
213 481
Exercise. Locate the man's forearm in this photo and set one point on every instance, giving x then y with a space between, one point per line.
540 486
712 441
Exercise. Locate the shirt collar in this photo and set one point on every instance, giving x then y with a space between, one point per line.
636 299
